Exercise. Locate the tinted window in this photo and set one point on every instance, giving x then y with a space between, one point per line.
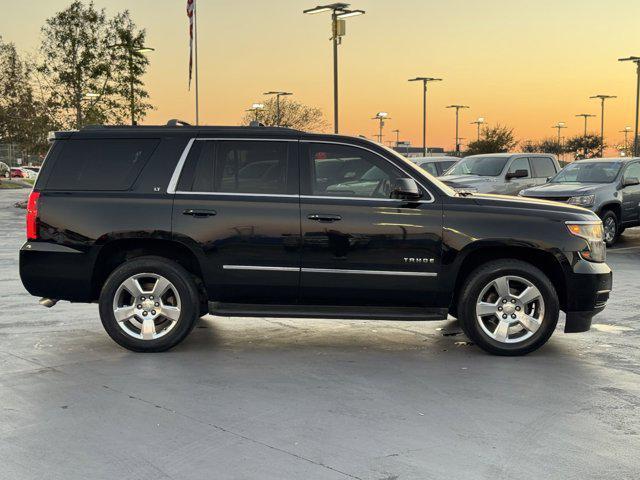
235 167
588 172
343 171
543 167
105 164
521 163
632 171
483 166
429 167
444 166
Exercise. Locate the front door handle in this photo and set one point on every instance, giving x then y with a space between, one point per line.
199 213
323 217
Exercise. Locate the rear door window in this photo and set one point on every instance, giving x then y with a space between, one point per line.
543 167
100 164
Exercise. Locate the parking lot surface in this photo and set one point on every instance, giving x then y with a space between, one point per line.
312 399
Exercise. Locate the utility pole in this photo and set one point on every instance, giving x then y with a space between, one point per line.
602 99
457 107
636 60
425 81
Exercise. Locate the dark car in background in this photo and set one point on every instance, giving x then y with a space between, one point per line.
610 187
501 173
436 166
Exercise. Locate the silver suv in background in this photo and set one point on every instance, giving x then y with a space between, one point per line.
501 173
610 187
436 166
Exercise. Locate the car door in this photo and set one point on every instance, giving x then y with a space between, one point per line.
542 168
513 186
360 246
631 195
237 204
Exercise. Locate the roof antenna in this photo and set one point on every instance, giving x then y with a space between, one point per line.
255 123
174 122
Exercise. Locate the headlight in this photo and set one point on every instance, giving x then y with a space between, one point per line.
582 200
593 233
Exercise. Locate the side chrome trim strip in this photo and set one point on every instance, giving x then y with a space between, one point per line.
258 267
236 194
370 272
368 199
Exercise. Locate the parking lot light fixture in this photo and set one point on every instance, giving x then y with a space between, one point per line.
586 116
478 122
397 132
602 99
381 117
256 108
425 81
458 108
636 60
278 95
339 11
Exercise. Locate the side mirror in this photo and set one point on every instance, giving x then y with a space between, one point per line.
517 174
630 181
405 189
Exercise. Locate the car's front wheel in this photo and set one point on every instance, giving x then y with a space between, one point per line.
508 307
149 304
611 228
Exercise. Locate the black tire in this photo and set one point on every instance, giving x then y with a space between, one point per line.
186 289
610 216
483 276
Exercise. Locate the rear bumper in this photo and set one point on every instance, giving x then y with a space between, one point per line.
588 287
55 271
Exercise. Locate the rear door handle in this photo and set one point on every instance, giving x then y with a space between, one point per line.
322 217
199 213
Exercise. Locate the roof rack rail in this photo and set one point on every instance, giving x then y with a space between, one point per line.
174 122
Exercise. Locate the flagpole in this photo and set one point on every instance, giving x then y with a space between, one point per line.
195 35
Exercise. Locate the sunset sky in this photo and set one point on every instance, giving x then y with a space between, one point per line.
525 64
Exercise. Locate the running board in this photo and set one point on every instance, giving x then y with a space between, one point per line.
323 311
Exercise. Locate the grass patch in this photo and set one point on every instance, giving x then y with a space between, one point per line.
9 185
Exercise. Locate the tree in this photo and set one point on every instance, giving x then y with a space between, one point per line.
496 140
128 65
584 146
293 114
24 119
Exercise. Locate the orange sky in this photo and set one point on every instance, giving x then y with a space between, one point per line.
526 64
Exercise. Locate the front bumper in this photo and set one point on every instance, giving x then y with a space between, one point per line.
588 287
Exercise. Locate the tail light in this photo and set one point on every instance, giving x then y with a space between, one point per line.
32 215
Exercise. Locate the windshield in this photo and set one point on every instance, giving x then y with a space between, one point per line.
588 172
483 166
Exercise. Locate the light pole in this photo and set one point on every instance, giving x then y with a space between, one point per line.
339 11
559 126
602 100
397 132
425 81
256 108
478 122
381 117
585 116
636 60
278 95
626 138
131 49
457 107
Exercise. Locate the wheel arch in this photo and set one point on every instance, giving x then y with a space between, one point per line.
116 252
615 207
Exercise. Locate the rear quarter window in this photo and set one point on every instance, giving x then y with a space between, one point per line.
100 164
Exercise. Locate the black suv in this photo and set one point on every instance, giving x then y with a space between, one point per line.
162 225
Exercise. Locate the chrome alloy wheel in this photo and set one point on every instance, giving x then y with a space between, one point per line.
147 306
510 309
610 229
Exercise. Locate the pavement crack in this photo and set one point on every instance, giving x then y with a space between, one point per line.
235 434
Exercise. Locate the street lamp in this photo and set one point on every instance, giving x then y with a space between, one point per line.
478 122
457 107
585 116
559 126
381 117
424 81
602 100
131 49
339 11
256 108
278 95
626 138
397 132
636 60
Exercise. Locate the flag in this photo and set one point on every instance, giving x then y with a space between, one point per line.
190 7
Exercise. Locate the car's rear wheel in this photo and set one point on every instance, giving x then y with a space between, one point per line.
611 227
149 304
508 307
